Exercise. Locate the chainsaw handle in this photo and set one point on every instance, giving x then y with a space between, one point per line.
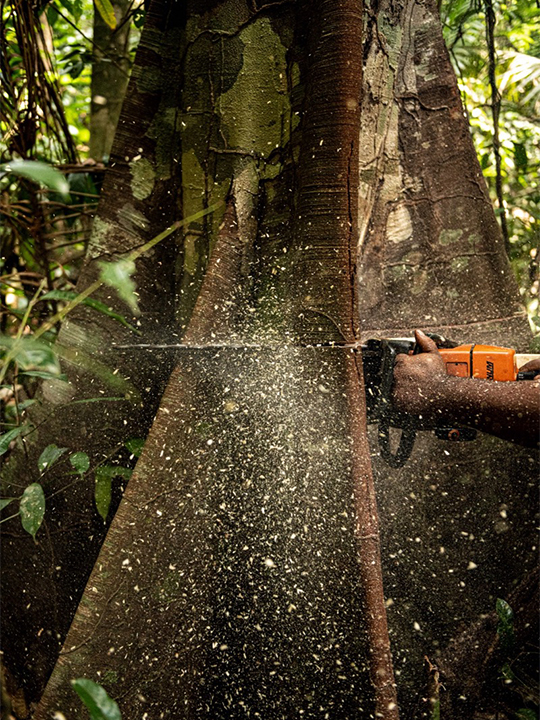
404 449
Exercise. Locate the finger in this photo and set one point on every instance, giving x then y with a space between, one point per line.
426 344
531 365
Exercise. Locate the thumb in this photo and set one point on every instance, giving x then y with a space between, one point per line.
425 343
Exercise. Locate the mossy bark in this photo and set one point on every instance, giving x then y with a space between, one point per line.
252 449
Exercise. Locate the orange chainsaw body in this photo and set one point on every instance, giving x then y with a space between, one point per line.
486 362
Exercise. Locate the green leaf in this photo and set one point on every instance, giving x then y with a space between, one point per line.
525 714
520 155
103 492
106 11
6 438
44 375
32 508
504 613
31 354
103 489
99 704
49 456
139 16
4 502
135 446
90 302
117 275
505 626
74 8
26 404
38 172
80 461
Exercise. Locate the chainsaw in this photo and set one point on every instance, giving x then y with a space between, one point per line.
487 362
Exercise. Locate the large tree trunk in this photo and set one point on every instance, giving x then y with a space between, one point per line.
247 438
458 520
238 527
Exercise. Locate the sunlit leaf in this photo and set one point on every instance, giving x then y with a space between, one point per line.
7 438
106 11
32 508
49 456
80 461
117 275
38 172
97 701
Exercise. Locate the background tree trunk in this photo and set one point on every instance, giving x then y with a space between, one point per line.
42 582
110 74
458 520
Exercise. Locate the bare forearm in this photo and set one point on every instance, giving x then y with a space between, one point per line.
509 410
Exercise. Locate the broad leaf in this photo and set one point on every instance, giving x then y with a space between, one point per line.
117 275
103 489
6 438
106 11
103 492
32 508
32 354
49 456
135 446
99 704
80 462
38 172
4 502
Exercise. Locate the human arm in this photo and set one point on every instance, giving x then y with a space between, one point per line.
509 410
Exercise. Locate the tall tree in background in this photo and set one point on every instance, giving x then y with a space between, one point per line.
237 526
110 74
455 517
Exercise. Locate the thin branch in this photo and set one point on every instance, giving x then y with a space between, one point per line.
495 111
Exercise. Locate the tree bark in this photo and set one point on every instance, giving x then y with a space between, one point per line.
42 582
245 471
230 523
457 520
110 74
